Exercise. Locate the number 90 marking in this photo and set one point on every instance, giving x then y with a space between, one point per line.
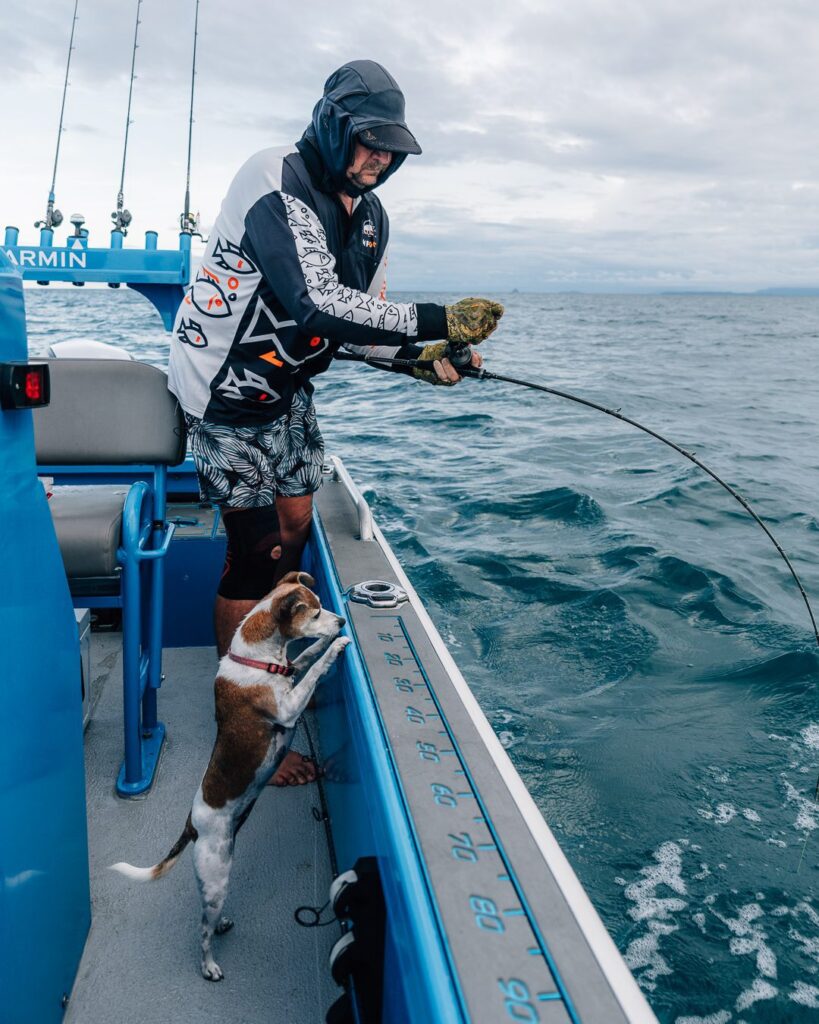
516 1001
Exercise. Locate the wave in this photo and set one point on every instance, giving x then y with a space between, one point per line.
793 667
557 504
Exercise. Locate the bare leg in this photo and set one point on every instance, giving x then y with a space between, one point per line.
295 515
227 614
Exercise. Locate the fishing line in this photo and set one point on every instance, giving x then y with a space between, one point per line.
187 223
122 218
54 218
478 373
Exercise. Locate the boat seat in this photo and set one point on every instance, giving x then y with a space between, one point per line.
105 414
88 524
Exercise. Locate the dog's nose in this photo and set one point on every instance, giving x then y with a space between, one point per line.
341 622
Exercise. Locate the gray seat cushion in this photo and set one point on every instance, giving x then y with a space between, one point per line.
88 523
104 411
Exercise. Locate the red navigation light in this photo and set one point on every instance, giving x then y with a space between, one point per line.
24 385
34 386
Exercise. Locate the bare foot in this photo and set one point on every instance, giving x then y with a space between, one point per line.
295 770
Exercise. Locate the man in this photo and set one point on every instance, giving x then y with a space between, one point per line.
295 267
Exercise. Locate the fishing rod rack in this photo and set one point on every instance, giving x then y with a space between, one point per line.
161 275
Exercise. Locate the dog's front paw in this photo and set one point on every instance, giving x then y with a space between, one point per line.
212 971
338 646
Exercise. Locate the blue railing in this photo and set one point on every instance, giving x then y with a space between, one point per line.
146 538
161 275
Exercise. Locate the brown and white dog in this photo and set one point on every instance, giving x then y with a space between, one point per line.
257 708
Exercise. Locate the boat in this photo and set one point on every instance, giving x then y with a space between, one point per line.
417 881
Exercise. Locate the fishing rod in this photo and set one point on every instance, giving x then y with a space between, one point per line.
461 358
189 224
53 218
122 217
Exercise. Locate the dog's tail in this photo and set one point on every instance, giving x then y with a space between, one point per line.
189 835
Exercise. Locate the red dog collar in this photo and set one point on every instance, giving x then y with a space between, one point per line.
268 666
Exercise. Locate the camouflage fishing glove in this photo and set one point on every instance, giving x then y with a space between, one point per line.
431 352
470 322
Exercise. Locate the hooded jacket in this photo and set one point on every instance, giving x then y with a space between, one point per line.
288 276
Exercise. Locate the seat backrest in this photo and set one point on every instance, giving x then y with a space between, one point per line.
108 411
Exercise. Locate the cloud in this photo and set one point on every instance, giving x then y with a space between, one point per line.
614 144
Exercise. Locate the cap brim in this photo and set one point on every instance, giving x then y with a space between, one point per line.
391 138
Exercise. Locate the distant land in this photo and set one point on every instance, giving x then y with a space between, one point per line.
759 291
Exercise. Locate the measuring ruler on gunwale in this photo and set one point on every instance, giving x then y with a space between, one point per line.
502 965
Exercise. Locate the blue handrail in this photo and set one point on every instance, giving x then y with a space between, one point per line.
161 275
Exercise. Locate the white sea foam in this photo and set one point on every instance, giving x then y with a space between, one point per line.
667 871
805 995
748 938
759 990
808 911
721 816
643 954
720 1017
750 814
808 945
810 736
808 816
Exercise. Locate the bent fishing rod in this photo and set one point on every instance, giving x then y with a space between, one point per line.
461 358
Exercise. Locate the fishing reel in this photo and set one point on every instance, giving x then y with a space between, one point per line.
459 353
189 225
121 219
53 220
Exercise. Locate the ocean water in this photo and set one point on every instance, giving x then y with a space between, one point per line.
632 635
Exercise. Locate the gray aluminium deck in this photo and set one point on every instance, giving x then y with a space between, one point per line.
141 960
509 924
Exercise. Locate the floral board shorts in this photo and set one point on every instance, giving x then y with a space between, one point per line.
248 467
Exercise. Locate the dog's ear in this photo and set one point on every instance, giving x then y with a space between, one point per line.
305 579
291 603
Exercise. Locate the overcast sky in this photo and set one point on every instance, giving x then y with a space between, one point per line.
608 144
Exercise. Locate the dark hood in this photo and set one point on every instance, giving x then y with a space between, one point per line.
359 95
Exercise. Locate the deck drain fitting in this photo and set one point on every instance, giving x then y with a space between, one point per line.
378 594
